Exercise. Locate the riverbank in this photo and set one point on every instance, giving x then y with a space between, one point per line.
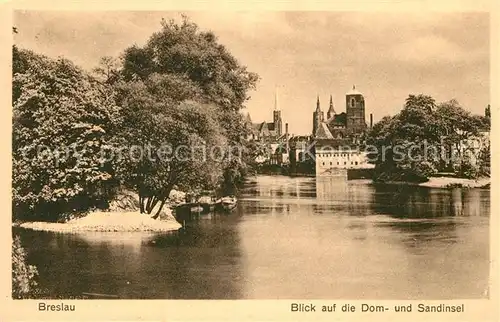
447 182
100 221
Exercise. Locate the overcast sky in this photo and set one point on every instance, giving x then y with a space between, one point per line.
386 55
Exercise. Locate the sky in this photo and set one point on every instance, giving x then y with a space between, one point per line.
386 55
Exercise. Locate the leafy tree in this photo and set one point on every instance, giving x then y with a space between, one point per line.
487 112
172 141
417 120
61 119
183 49
190 64
484 160
458 129
410 145
108 70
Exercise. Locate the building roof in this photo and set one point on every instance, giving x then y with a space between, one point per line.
323 132
338 119
264 128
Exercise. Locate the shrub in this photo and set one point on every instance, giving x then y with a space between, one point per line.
24 284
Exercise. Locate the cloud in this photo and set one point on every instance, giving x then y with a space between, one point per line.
387 55
428 49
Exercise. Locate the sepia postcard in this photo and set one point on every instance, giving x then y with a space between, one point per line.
280 161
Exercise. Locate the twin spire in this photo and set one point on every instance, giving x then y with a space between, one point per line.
331 109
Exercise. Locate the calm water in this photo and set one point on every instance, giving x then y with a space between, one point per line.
290 238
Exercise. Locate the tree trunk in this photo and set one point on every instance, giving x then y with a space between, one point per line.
154 202
161 207
149 203
141 204
164 198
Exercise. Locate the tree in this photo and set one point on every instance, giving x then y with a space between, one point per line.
400 141
193 64
485 160
61 119
417 120
420 101
108 70
183 49
167 142
410 145
459 129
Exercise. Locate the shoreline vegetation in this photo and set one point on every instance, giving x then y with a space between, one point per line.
123 215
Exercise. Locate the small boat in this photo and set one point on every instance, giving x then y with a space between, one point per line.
207 203
196 209
190 211
227 203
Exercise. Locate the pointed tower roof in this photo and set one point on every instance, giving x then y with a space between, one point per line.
248 118
318 108
331 110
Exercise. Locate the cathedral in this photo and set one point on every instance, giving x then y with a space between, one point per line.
338 136
347 126
272 135
270 131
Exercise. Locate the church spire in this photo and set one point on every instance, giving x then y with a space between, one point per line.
331 109
317 104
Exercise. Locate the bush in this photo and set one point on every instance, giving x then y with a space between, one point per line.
24 284
425 169
467 170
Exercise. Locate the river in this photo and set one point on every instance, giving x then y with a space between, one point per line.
289 238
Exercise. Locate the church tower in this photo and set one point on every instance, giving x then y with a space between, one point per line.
331 110
318 117
355 110
277 116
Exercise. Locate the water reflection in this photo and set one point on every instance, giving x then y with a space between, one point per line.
189 264
418 202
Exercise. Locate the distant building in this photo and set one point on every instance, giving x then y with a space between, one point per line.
339 137
271 134
269 131
301 154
